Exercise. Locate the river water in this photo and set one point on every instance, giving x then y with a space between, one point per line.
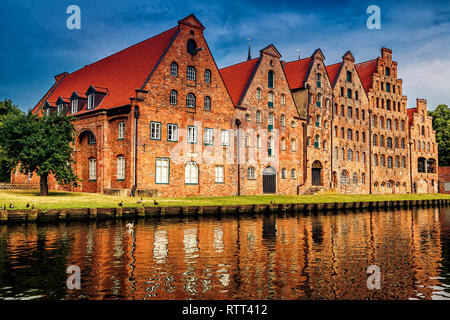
322 256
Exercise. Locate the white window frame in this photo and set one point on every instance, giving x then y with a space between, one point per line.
220 174
74 106
225 137
251 173
192 134
92 169
191 73
172 132
91 101
162 167
174 69
121 168
121 130
208 136
155 130
191 173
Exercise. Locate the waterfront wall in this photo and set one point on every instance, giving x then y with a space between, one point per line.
87 214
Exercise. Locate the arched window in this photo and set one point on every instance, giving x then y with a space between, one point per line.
336 152
207 106
270 145
363 159
388 124
208 76
363 178
342 133
270 99
251 173
389 162
319 100
396 124
283 173
350 155
258 94
356 95
292 173
270 79
191 173
324 145
318 121
327 103
190 74
349 134
349 93
397 161
355 178
92 169
349 112
325 124
357 156
381 122
342 154
375 160
382 158
335 131
173 97
283 144
344 178
91 138
283 120
342 111
374 121
396 142
283 99
121 168
190 100
317 141
191 46
403 143
389 142
381 141
293 145
319 80
308 141
374 139
174 69
258 116
403 162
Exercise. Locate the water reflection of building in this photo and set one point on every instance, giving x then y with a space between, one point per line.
259 257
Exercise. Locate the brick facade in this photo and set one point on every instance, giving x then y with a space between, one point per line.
444 180
159 118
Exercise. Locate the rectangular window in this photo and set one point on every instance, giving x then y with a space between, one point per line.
388 71
155 130
92 169
60 108
219 174
91 99
192 134
172 132
208 136
121 168
349 76
162 170
74 106
225 137
121 130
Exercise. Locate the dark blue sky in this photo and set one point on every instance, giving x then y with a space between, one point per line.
36 44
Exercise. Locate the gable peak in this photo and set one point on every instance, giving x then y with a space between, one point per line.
318 54
271 51
191 21
348 56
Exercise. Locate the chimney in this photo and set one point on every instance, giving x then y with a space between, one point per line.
60 76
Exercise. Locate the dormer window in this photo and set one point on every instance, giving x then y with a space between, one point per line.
47 112
91 100
74 106
60 108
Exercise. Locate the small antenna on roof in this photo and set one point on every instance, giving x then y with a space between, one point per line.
249 57
298 53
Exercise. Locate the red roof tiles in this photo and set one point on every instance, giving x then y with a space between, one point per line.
333 71
296 72
365 71
236 78
121 73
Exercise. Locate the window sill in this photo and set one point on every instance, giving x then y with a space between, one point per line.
191 184
120 180
92 180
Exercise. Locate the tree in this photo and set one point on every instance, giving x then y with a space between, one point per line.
41 145
441 123
6 108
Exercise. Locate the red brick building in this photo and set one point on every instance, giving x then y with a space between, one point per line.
159 118
444 180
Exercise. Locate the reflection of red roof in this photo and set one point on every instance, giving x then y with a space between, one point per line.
411 112
332 71
296 72
121 73
365 71
236 78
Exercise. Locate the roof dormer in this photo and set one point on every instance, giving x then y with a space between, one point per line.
95 96
77 102
48 108
62 105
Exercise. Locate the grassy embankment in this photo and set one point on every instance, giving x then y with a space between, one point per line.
66 200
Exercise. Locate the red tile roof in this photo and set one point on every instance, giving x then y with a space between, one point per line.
236 78
365 71
332 71
411 112
119 74
296 72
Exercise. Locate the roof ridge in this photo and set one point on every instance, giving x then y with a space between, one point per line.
371 60
236 64
120 51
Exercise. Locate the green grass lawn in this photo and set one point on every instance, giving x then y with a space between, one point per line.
64 200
